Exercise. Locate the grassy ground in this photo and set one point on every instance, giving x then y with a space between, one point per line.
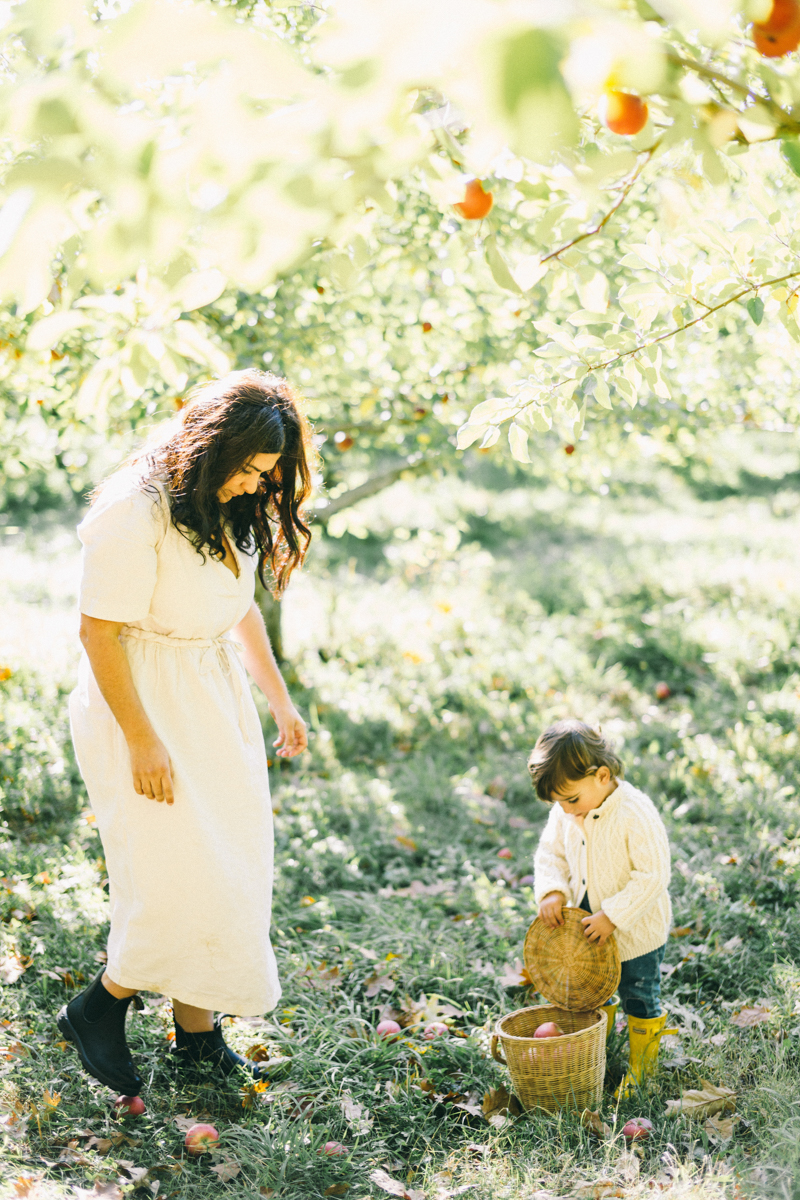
430 647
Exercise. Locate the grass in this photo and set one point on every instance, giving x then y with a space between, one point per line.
428 654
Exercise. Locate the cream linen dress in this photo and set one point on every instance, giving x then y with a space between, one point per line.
191 883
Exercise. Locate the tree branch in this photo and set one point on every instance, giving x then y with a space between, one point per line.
371 487
618 204
785 120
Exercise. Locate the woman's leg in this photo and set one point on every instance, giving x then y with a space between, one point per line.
120 993
191 1019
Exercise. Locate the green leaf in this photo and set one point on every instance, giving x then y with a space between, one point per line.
468 434
198 289
50 330
755 306
499 268
518 441
601 394
495 409
790 150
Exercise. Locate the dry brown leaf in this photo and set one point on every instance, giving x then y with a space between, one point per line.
393 1186
595 1123
499 1104
185 1123
356 1115
376 982
266 1192
515 975
12 965
721 1127
226 1170
337 1189
426 1009
600 1189
747 1017
407 842
703 1102
682 931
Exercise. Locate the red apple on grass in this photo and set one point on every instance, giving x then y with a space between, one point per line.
548 1029
130 1106
637 1129
434 1029
200 1139
388 1030
505 853
334 1149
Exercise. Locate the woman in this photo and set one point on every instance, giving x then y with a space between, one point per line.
165 729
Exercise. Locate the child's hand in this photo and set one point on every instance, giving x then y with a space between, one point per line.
550 909
598 928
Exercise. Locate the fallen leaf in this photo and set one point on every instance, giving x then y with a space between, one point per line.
136 1174
732 944
542 1195
599 1190
393 1186
51 1099
12 965
499 1104
682 931
703 1102
267 1192
226 1170
718 1039
356 1115
425 1009
185 1123
376 982
408 842
515 975
595 1123
337 1189
747 1017
108 1191
24 1183
721 1127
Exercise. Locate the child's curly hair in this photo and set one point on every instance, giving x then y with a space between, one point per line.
567 751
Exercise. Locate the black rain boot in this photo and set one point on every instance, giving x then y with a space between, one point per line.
94 1021
210 1049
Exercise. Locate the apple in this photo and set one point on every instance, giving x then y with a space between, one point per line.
548 1029
663 691
476 203
780 33
388 1030
334 1149
434 1029
623 112
130 1106
200 1139
505 853
637 1129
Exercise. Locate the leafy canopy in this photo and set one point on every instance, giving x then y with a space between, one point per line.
170 167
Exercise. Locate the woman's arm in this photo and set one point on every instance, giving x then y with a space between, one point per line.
149 758
260 662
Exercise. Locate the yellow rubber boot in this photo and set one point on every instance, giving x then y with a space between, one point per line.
645 1035
611 1013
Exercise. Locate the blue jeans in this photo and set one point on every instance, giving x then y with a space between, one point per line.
640 983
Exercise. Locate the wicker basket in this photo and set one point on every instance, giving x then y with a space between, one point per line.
558 1072
568 969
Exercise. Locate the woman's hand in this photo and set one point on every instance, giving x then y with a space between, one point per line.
598 928
152 776
550 909
292 736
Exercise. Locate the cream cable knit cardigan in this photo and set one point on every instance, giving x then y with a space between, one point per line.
621 854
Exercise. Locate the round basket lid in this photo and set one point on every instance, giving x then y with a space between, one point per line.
569 970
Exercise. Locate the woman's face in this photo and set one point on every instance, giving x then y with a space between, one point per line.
247 479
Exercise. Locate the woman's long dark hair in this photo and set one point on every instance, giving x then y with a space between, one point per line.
221 427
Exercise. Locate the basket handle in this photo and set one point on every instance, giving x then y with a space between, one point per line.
496 1054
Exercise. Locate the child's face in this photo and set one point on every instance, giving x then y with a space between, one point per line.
579 796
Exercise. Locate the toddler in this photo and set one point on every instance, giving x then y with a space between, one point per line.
604 848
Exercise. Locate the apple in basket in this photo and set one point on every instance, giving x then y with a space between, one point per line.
548 1029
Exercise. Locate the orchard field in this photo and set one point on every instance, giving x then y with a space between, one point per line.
428 644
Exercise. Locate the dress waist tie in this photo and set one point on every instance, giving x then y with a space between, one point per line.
222 652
